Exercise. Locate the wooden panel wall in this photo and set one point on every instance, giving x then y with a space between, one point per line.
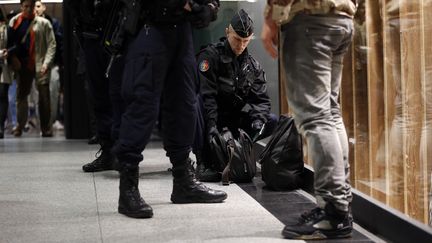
386 100
426 142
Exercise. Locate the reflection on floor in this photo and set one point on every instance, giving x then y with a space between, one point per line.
45 197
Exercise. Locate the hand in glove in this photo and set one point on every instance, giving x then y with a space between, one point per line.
212 132
202 15
257 125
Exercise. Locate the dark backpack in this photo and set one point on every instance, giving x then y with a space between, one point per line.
282 158
233 157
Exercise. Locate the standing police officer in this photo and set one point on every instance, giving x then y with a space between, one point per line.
90 18
234 89
160 62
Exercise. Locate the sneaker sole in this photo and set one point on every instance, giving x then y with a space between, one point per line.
317 235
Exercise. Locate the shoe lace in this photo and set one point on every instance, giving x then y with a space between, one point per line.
311 215
192 163
99 153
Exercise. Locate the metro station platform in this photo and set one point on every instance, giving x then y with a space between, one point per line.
46 197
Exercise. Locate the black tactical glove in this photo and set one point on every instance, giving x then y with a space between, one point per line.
212 132
202 15
257 125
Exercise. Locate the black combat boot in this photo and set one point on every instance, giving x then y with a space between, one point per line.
131 203
105 160
1 131
187 189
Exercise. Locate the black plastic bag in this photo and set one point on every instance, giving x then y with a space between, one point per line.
282 158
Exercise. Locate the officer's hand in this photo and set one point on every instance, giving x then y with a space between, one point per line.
269 37
257 125
201 17
212 132
43 70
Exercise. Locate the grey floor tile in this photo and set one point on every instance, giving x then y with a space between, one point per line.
45 197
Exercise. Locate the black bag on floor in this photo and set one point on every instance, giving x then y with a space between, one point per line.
233 156
282 158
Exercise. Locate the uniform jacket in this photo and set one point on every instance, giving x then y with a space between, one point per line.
5 76
230 84
45 46
170 11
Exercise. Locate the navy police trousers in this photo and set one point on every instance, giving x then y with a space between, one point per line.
108 103
160 63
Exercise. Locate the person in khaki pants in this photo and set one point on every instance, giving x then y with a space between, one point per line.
34 49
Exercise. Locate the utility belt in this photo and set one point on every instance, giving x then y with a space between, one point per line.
163 16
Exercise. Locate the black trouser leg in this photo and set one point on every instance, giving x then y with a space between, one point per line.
4 104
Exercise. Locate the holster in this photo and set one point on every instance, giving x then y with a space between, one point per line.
123 22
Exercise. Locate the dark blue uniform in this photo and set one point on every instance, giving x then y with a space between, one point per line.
108 103
234 93
160 63
234 90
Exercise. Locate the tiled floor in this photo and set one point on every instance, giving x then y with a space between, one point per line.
45 197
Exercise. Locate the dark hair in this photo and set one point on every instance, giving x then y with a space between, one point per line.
31 1
12 13
2 16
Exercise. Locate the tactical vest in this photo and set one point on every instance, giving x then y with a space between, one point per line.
93 14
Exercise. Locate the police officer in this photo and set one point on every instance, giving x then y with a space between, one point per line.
233 88
160 62
90 17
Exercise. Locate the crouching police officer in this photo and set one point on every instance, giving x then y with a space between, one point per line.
233 88
160 61
90 18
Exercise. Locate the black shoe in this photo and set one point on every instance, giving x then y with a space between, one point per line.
1 135
93 140
47 134
187 189
207 174
17 132
319 224
131 203
104 161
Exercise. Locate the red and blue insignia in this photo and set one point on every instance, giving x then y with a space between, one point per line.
204 66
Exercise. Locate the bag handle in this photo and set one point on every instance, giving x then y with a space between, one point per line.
227 169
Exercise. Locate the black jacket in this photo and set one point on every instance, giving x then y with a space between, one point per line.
230 84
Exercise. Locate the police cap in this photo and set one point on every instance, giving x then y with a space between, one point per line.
242 24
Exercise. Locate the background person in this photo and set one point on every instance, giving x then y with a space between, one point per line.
32 58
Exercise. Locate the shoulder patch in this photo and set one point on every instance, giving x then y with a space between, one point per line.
204 66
